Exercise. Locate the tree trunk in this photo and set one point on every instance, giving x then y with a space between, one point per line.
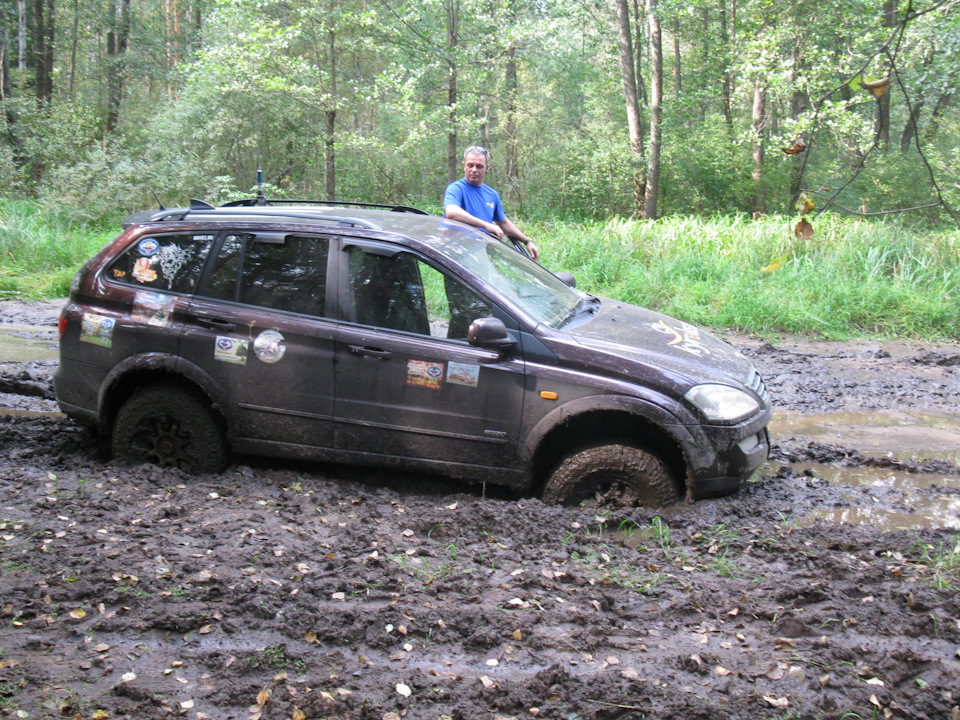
510 80
22 35
933 127
43 38
759 131
629 77
117 39
330 117
453 38
74 44
882 126
727 85
652 195
677 74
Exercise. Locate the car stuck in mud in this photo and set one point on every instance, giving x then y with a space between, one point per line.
386 336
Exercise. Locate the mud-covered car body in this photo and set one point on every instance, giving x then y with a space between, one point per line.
374 336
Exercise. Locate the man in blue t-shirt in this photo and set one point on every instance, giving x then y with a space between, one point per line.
469 200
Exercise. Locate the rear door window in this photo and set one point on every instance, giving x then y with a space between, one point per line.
278 271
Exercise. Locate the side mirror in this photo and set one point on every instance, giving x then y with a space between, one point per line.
567 278
490 333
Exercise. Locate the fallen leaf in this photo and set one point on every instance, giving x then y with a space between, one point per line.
263 696
298 714
128 677
720 670
517 635
776 702
78 614
487 682
187 704
404 690
875 681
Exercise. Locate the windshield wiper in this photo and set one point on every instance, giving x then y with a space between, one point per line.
589 304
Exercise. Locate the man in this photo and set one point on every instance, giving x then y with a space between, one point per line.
471 201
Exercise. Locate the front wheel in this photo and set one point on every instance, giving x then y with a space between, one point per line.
170 427
619 475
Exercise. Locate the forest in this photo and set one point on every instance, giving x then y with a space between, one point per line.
592 109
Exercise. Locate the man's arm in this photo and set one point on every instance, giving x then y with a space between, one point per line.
455 212
512 230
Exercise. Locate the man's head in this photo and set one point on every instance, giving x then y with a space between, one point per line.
476 162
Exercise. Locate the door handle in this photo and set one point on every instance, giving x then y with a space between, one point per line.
216 323
370 351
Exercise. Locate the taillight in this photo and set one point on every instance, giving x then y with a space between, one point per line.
62 326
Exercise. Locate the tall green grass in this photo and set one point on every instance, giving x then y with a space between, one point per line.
851 278
41 248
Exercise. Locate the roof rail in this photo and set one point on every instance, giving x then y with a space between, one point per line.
254 202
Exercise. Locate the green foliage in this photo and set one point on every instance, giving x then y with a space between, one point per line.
42 247
851 278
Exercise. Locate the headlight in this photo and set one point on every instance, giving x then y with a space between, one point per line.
722 403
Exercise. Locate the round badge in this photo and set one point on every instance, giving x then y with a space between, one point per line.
148 246
269 346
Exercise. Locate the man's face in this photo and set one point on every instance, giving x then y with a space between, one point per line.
475 169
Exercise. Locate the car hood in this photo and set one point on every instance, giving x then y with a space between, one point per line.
641 344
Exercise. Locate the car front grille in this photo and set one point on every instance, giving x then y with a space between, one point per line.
755 383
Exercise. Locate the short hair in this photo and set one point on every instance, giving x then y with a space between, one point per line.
477 150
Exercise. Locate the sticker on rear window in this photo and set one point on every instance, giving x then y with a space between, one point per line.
231 350
143 271
97 330
154 308
460 373
424 373
148 246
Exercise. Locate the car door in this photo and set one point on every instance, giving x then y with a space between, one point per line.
258 328
407 382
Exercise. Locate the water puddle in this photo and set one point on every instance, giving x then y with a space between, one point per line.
896 499
24 343
910 435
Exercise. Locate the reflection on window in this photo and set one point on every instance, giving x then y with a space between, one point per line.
289 275
401 292
163 262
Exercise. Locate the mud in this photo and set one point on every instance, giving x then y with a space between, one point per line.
303 591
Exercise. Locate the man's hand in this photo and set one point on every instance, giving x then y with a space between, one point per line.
494 230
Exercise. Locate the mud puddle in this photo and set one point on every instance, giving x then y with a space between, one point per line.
26 343
891 443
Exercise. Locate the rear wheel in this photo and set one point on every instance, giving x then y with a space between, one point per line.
170 427
620 475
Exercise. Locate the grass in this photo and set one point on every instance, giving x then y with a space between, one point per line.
42 248
850 279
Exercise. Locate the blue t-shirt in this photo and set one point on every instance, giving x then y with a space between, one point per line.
482 202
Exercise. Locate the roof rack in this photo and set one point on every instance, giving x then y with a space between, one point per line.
254 202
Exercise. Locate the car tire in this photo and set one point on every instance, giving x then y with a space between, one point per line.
170 427
620 475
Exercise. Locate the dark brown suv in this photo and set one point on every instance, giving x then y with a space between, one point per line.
386 336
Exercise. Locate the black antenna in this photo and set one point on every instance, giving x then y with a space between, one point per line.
162 206
261 198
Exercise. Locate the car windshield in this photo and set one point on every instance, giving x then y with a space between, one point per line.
525 283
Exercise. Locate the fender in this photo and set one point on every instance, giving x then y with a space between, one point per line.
685 432
163 362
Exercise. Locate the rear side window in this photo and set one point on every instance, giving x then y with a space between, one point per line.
163 262
280 272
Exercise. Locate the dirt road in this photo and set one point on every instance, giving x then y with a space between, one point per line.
317 592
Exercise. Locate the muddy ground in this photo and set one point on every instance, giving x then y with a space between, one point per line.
296 591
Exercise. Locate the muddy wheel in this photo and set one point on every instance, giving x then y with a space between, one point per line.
169 427
612 475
